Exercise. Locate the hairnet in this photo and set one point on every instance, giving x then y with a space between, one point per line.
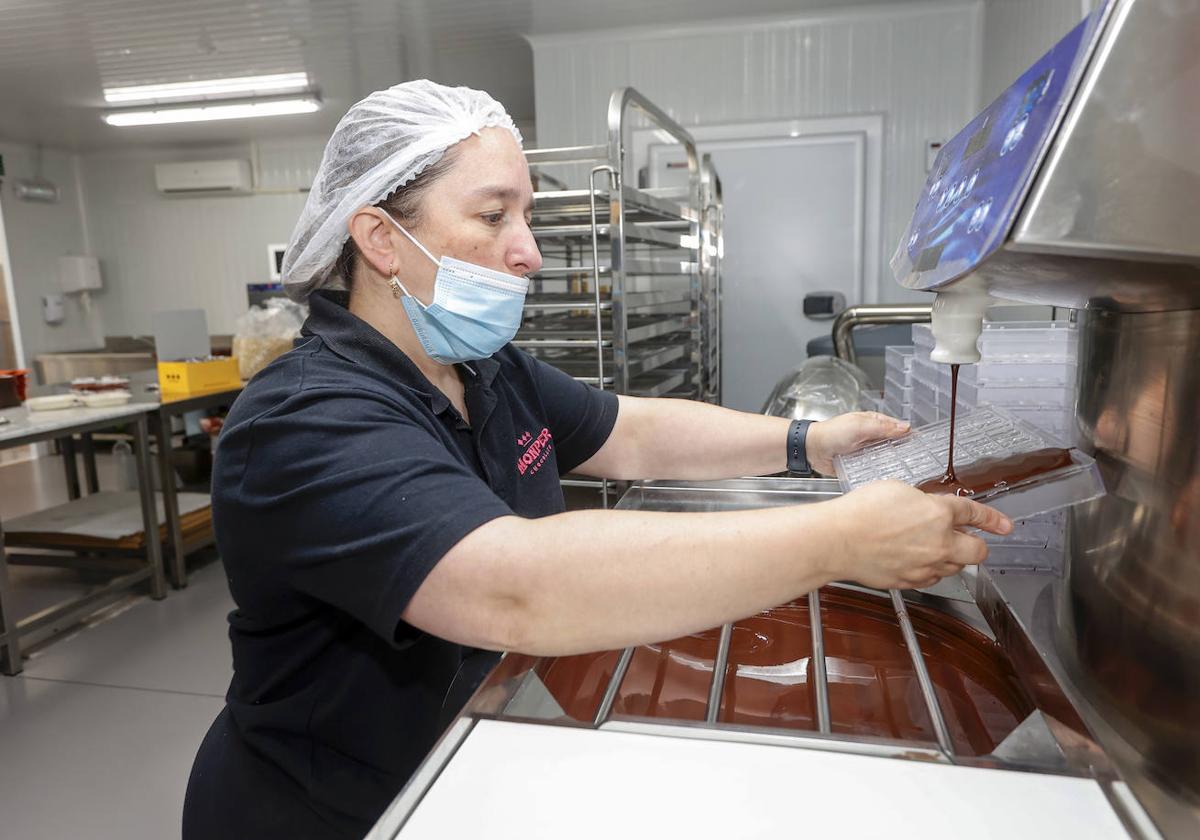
381 144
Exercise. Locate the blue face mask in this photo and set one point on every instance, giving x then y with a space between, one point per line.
475 310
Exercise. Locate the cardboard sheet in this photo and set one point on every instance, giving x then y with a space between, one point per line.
106 516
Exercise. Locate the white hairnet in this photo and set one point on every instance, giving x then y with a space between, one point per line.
383 142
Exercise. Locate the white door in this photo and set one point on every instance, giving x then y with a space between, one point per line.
794 220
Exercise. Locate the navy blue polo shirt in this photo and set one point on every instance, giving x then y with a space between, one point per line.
341 478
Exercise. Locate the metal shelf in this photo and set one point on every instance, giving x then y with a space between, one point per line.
634 232
567 272
638 328
551 302
656 338
642 358
578 203
657 383
559 343
568 154
633 267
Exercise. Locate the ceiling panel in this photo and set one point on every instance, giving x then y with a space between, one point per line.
57 56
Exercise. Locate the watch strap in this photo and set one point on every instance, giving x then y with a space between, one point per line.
797 451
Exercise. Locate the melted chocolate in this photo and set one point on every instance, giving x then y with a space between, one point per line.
990 473
949 479
997 473
769 679
949 476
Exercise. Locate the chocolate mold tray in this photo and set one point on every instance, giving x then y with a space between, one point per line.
986 433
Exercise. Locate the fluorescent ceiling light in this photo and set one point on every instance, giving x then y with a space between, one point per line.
203 113
242 85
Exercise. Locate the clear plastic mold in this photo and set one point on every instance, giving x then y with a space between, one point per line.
988 432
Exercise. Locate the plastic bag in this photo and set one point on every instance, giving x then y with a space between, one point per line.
124 466
820 388
266 332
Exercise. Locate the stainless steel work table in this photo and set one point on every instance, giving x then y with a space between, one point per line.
144 386
165 409
26 427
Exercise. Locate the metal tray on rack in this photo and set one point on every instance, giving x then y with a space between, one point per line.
634 232
634 267
643 358
557 302
578 202
658 383
582 329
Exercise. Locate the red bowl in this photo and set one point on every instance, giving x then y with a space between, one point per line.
21 377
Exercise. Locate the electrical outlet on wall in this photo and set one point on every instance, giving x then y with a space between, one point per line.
53 309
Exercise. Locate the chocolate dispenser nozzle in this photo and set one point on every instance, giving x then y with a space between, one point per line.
957 321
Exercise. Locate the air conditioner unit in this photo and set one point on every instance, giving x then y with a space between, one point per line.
204 177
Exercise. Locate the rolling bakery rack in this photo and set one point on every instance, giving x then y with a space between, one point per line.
628 298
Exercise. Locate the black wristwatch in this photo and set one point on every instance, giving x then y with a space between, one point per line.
797 451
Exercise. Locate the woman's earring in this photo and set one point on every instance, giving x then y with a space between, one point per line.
395 284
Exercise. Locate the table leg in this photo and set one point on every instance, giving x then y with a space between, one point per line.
67 445
89 463
166 472
158 586
10 641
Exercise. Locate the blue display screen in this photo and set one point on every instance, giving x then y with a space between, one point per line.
972 195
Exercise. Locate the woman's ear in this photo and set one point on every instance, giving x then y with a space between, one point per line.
373 237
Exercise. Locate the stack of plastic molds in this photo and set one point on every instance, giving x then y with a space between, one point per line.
1035 544
1027 367
985 433
897 384
923 377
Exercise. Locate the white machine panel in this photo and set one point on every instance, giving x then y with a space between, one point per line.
521 781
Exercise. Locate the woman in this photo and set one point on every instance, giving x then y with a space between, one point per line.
387 500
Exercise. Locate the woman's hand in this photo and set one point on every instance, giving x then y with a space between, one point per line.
847 433
896 537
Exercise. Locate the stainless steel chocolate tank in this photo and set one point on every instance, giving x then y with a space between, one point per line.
1080 187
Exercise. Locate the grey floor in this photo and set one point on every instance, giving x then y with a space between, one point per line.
98 734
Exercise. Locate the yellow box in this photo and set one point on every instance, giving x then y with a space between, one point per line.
193 377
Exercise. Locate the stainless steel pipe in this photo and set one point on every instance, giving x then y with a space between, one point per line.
873 313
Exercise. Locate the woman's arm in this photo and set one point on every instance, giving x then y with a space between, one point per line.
683 439
598 580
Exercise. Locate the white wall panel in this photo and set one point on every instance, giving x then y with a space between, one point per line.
918 64
38 234
287 163
163 252
1017 32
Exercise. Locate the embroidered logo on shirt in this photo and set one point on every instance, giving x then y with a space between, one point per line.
536 452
